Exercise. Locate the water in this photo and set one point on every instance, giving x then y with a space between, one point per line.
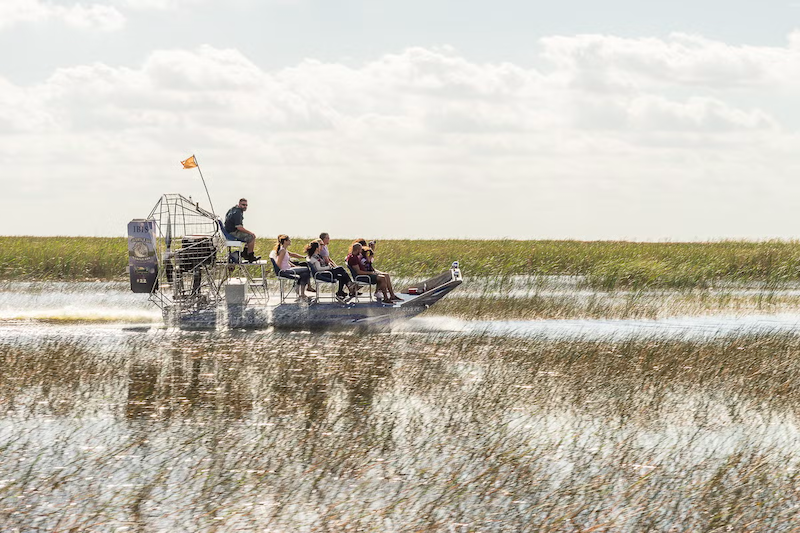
614 330
111 422
112 302
97 302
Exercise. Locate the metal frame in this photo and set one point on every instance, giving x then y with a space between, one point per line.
283 276
316 275
362 280
230 242
194 264
258 288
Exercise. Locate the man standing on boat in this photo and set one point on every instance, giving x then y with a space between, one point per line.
234 224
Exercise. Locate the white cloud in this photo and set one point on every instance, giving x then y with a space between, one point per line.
176 5
163 5
98 17
696 114
94 17
205 70
13 12
22 111
613 124
597 60
423 91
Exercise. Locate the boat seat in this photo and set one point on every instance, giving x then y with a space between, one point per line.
232 243
361 281
230 240
323 276
283 276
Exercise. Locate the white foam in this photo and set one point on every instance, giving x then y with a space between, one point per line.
707 327
99 302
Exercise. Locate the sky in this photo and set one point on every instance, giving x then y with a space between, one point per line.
577 119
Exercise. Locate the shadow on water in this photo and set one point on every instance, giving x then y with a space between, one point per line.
182 385
209 381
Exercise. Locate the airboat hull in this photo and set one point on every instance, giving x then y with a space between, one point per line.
324 314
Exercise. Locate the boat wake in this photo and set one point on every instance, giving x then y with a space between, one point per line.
71 302
690 328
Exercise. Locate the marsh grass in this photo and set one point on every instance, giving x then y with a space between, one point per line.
604 264
301 432
618 304
62 258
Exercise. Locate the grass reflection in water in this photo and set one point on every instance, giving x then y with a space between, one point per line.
270 431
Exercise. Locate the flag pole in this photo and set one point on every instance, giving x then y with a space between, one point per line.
204 186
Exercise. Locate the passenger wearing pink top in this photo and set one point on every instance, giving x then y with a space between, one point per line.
281 256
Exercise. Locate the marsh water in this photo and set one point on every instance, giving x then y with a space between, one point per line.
452 421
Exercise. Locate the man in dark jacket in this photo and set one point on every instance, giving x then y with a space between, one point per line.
234 224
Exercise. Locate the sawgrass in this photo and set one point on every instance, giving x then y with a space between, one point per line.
603 264
62 258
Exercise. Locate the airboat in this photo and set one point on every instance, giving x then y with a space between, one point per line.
182 258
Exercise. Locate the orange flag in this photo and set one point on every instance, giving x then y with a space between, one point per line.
189 163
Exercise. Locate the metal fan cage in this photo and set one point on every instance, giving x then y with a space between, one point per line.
189 245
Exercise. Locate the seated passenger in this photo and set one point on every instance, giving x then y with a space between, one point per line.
324 240
381 279
234 220
367 254
367 261
317 264
280 254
